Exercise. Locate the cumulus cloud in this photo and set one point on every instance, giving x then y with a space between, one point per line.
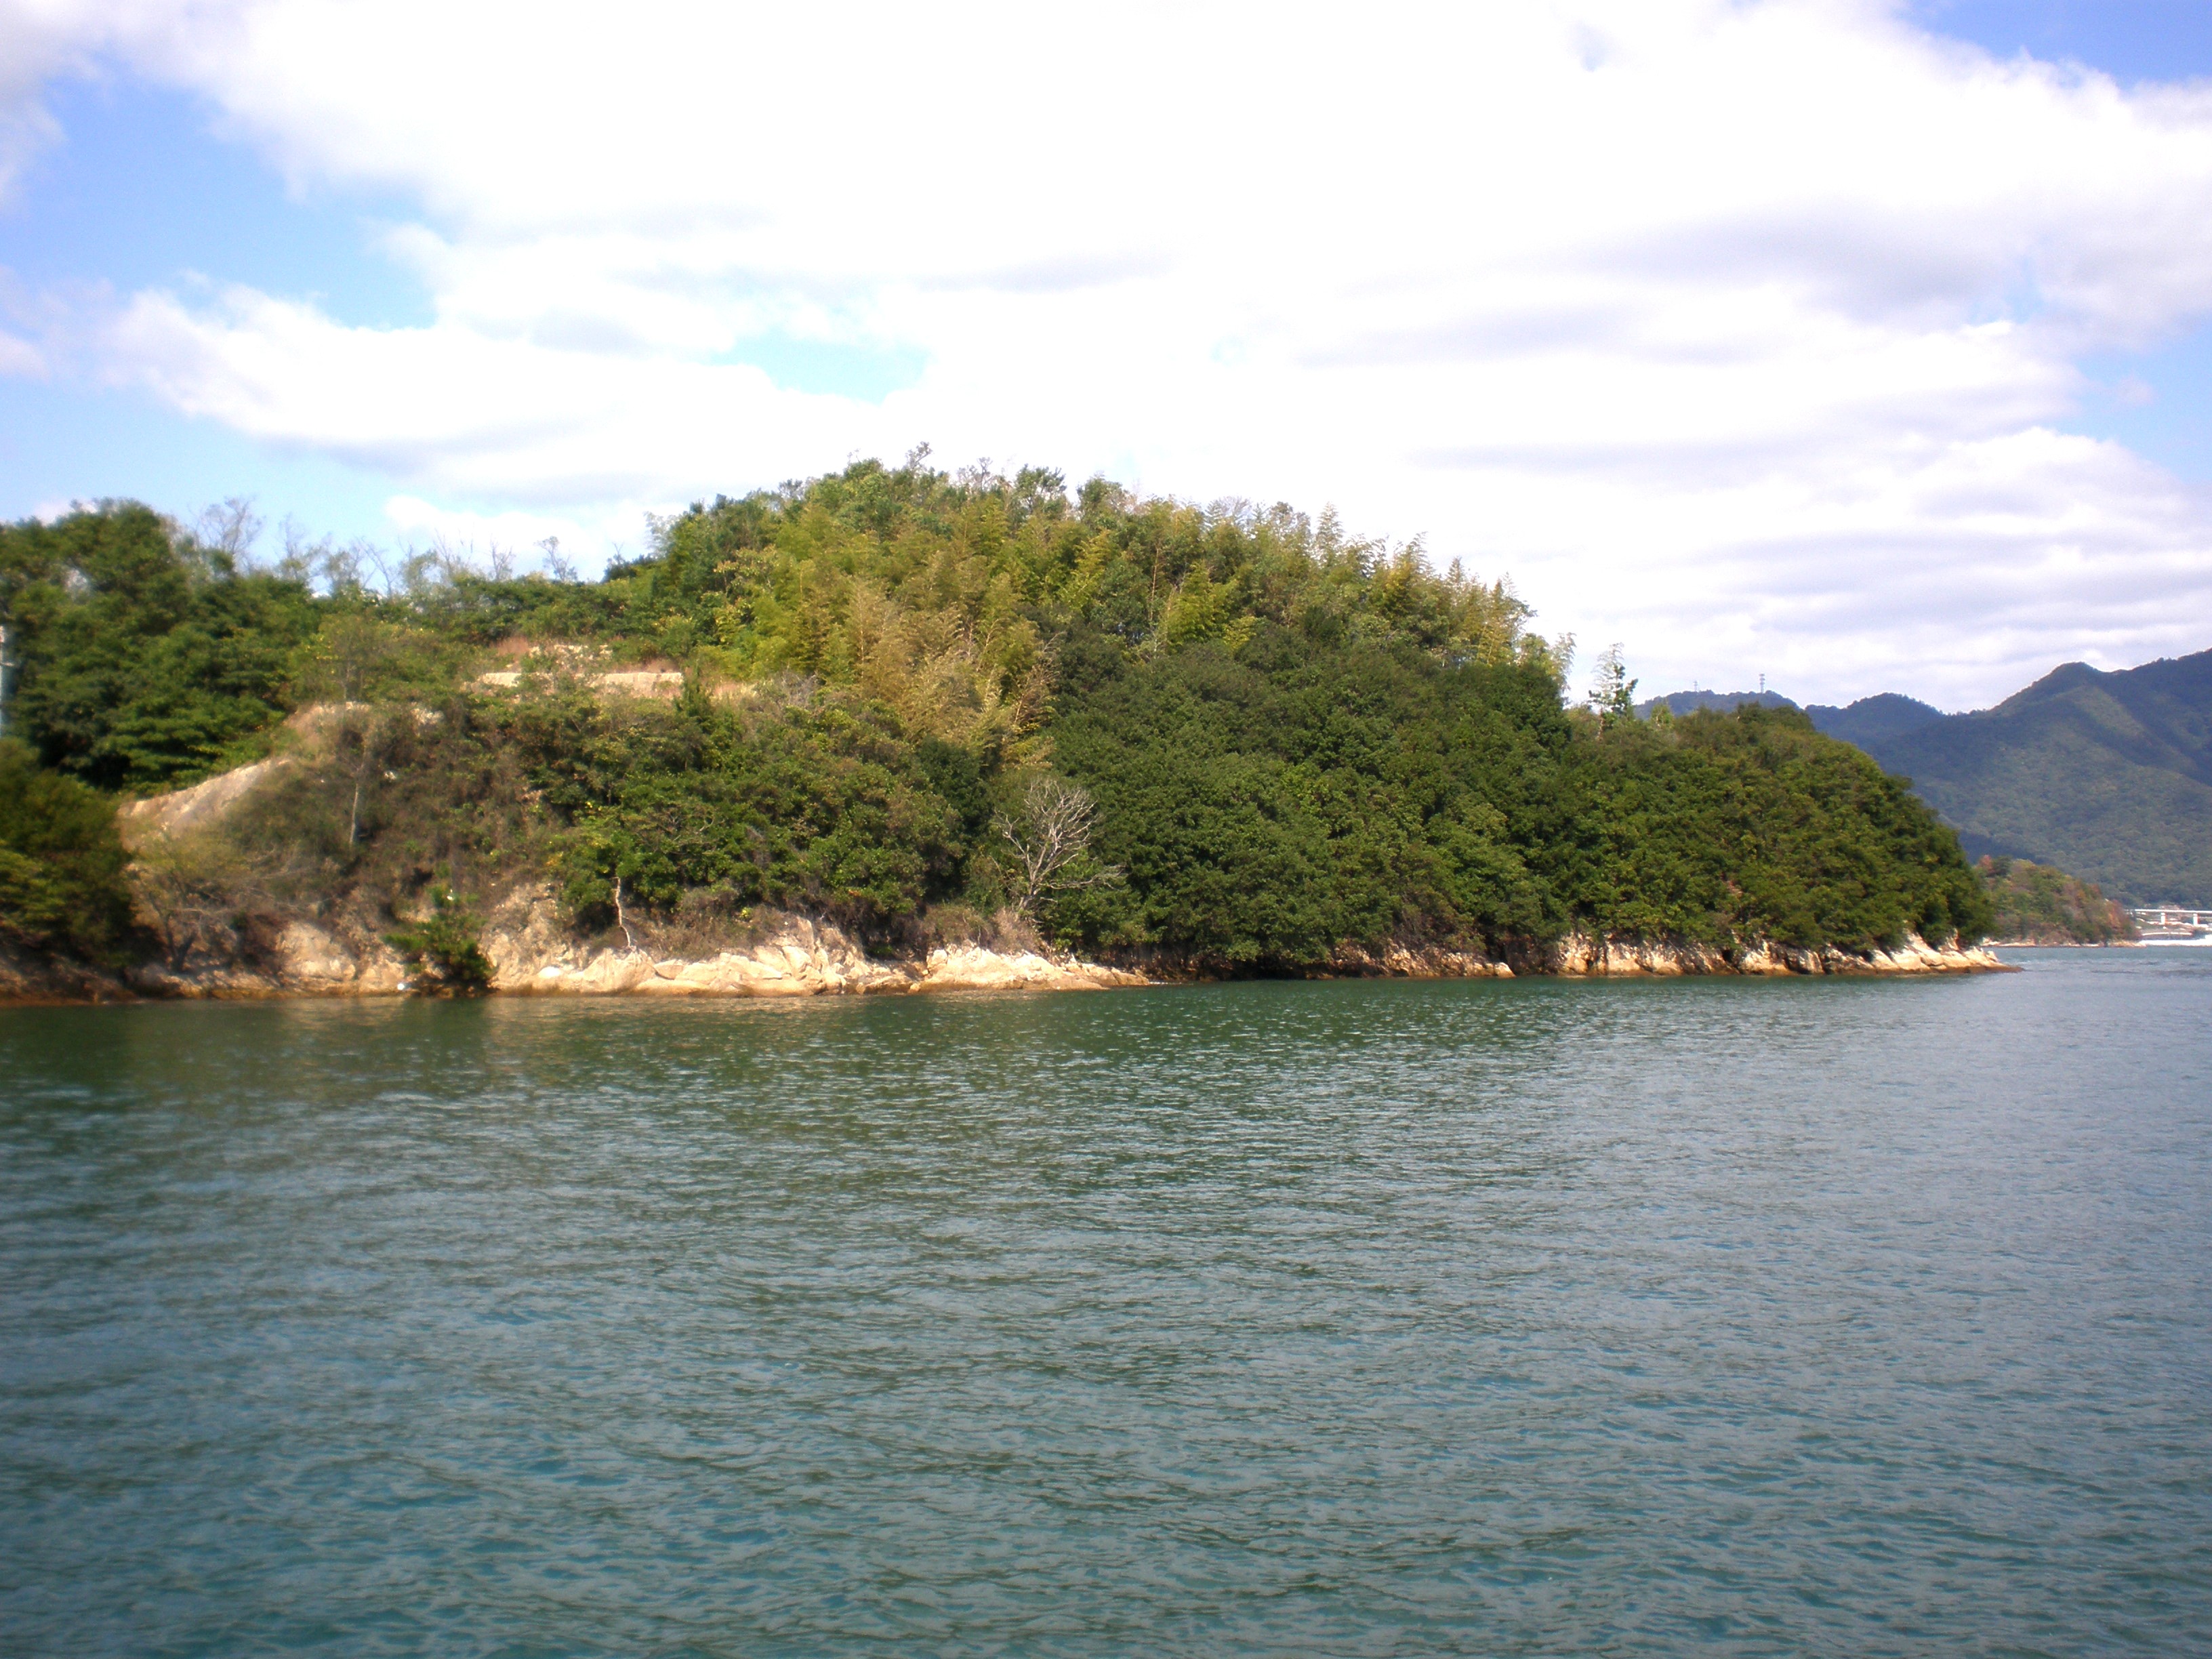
1742 332
20 358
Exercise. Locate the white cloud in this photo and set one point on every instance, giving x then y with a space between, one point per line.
20 358
1739 333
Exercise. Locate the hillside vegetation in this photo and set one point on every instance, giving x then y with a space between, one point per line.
2036 904
2106 774
922 705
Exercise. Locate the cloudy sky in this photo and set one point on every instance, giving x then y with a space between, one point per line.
1861 344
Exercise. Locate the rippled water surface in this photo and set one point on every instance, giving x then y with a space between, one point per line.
1735 1317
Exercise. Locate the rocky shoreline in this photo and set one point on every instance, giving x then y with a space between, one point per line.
533 950
533 954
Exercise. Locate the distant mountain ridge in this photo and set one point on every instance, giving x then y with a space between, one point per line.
1875 719
2107 776
1688 703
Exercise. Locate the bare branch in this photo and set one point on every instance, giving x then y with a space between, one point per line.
1051 841
232 526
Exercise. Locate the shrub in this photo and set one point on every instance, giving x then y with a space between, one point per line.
444 946
62 864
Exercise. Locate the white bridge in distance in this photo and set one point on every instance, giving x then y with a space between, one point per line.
2172 923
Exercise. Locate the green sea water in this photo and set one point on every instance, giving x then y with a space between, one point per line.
1712 1316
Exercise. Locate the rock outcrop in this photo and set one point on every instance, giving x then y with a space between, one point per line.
28 977
199 808
1583 955
800 958
533 953
297 958
1396 961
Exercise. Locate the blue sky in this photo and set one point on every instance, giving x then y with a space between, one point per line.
2129 39
139 192
1935 338
144 190
2134 41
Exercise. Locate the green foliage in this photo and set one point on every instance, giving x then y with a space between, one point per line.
2106 774
62 887
363 652
1613 699
1231 734
1751 824
444 945
148 660
2039 905
823 805
940 597
1269 807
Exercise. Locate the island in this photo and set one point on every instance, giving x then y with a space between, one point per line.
890 729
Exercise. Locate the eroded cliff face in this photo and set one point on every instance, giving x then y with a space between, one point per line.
289 959
1396 961
533 953
1586 956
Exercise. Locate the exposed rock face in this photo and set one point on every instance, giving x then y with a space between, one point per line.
30 978
1582 955
1415 962
803 959
302 960
972 967
199 808
533 953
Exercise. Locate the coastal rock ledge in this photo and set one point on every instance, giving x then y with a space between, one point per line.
803 959
1585 955
533 954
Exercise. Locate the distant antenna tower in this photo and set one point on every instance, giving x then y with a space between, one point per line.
1762 685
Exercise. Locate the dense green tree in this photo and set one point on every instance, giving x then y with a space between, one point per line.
62 886
2036 904
148 660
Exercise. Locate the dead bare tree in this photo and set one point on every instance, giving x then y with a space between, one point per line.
1050 840
186 890
231 527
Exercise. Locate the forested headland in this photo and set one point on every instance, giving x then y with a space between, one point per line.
2036 904
922 707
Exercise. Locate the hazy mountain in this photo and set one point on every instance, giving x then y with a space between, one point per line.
1873 720
2107 776
1685 702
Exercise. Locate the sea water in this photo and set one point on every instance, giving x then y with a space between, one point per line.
1702 1316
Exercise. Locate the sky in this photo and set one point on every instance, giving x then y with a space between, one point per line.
1859 344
